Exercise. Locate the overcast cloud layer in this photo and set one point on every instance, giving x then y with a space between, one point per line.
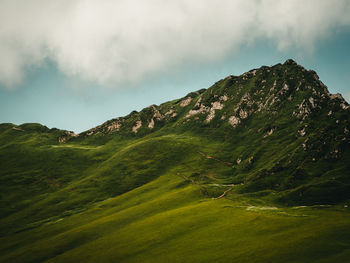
122 41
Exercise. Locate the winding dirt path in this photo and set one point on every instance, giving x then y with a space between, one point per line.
213 158
224 193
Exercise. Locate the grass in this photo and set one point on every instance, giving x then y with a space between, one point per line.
187 190
169 220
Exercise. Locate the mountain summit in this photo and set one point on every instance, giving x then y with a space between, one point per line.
282 91
273 138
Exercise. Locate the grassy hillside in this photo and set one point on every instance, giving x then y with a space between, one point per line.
253 169
169 220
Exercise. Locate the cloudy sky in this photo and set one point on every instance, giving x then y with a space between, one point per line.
74 64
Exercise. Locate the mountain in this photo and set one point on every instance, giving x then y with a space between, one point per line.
253 169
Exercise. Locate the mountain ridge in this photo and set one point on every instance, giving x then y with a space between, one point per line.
207 177
115 124
254 113
164 112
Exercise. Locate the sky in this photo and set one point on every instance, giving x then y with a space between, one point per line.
74 64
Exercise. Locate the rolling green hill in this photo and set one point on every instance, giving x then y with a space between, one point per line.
255 168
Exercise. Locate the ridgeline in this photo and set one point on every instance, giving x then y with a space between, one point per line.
255 168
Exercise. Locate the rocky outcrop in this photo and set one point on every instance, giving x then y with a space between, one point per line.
236 100
185 102
217 105
67 135
151 124
234 121
114 126
137 126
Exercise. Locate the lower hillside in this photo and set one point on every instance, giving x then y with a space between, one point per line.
169 220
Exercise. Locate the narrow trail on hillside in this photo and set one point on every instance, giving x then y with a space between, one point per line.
76 147
215 159
201 188
17 129
186 178
224 193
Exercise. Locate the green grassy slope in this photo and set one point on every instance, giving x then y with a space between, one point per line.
253 169
169 220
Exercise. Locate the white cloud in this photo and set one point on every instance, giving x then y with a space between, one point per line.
123 41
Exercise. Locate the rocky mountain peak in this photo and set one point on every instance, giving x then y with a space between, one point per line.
290 62
283 91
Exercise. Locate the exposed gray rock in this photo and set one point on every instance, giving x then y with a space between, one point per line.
151 124
234 121
185 102
137 126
